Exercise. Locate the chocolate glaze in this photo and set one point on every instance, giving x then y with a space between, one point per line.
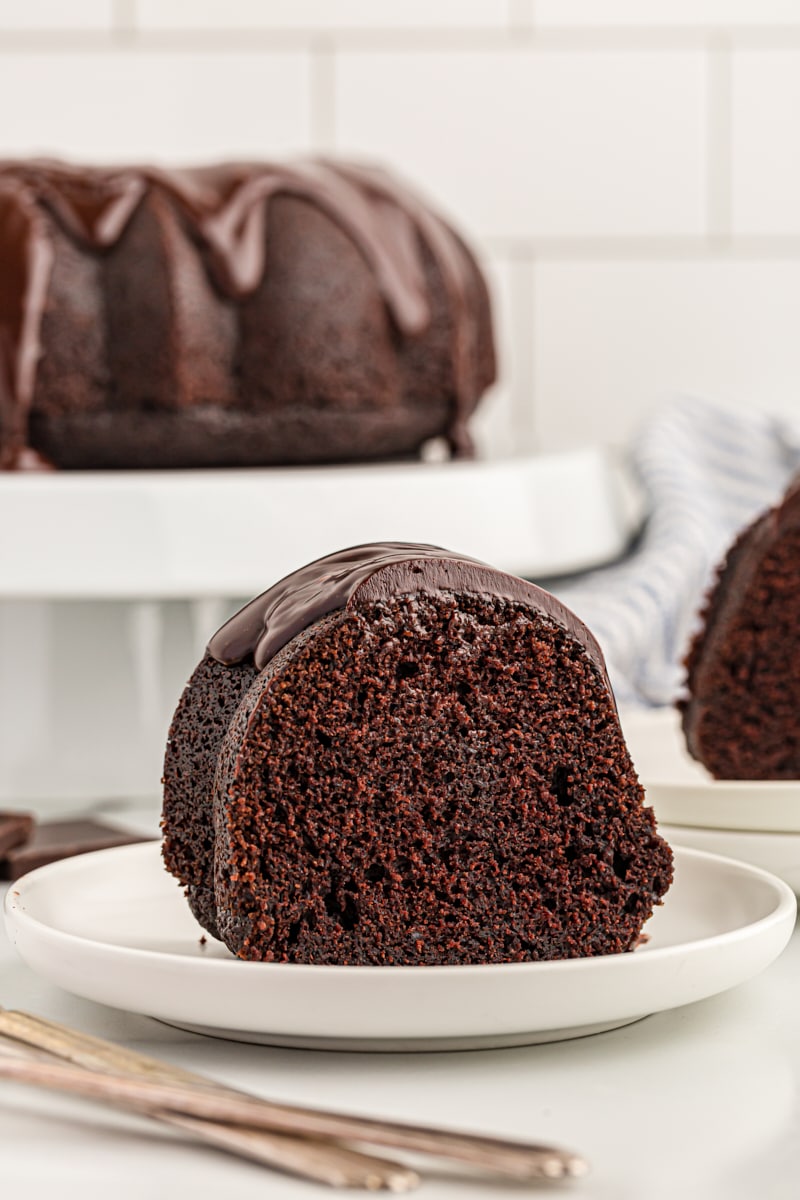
367 574
226 208
26 258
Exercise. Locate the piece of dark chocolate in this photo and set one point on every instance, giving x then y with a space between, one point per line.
54 840
15 828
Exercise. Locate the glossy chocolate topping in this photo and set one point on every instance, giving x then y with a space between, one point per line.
26 258
226 209
369 573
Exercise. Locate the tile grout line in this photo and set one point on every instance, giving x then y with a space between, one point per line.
574 248
520 15
322 83
508 38
534 432
124 22
523 397
719 132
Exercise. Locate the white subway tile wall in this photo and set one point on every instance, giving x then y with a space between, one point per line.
119 104
321 14
628 170
538 142
499 422
724 328
56 14
661 13
766 147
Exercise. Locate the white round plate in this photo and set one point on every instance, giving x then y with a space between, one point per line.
114 927
683 793
778 853
124 535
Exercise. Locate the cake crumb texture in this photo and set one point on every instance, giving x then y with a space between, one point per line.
741 716
426 779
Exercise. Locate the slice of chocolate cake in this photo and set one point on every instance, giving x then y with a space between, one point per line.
398 755
742 714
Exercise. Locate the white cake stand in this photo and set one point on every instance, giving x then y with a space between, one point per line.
111 582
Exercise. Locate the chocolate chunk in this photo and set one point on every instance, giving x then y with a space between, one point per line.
54 840
15 828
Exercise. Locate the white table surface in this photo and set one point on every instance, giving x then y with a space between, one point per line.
701 1102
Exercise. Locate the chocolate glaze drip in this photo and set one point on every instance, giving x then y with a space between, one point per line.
26 258
369 573
227 210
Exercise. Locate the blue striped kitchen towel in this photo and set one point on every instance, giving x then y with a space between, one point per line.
706 473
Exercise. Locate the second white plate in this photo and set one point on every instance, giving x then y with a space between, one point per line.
114 927
778 853
683 793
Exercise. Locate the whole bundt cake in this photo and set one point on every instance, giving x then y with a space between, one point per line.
233 315
741 716
399 755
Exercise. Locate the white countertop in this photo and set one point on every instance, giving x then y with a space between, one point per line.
700 1102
